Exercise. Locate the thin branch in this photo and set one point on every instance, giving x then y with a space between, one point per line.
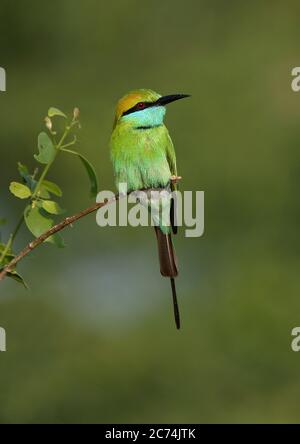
60 226
68 221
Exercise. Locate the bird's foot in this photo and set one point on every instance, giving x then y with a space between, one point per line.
175 179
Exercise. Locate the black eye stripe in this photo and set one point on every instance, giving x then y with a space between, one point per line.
136 107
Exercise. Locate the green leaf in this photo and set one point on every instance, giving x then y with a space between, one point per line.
52 187
23 170
2 221
7 259
57 239
9 255
56 112
43 193
38 221
19 190
17 277
2 246
52 207
26 176
89 169
46 148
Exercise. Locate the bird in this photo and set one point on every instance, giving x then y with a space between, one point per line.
143 157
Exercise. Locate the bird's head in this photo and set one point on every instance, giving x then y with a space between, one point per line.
143 108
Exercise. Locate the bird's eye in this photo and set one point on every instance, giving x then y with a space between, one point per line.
141 105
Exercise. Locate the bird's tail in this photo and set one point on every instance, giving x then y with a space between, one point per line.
168 265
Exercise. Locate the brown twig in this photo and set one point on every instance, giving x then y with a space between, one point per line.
60 226
63 224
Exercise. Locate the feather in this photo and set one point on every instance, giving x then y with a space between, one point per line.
168 266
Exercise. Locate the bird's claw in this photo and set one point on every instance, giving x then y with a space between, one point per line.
175 179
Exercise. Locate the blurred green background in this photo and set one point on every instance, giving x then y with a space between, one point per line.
93 339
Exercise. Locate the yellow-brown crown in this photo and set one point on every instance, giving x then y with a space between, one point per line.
132 98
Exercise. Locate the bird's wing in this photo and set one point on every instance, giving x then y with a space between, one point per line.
171 156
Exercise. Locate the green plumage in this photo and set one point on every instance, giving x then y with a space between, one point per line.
143 157
142 151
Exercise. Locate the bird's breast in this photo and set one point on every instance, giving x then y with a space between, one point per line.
139 157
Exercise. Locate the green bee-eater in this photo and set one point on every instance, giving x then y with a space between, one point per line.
143 156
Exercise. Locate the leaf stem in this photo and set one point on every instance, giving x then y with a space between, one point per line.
11 239
47 167
68 144
58 146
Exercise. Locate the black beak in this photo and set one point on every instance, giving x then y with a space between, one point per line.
162 101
